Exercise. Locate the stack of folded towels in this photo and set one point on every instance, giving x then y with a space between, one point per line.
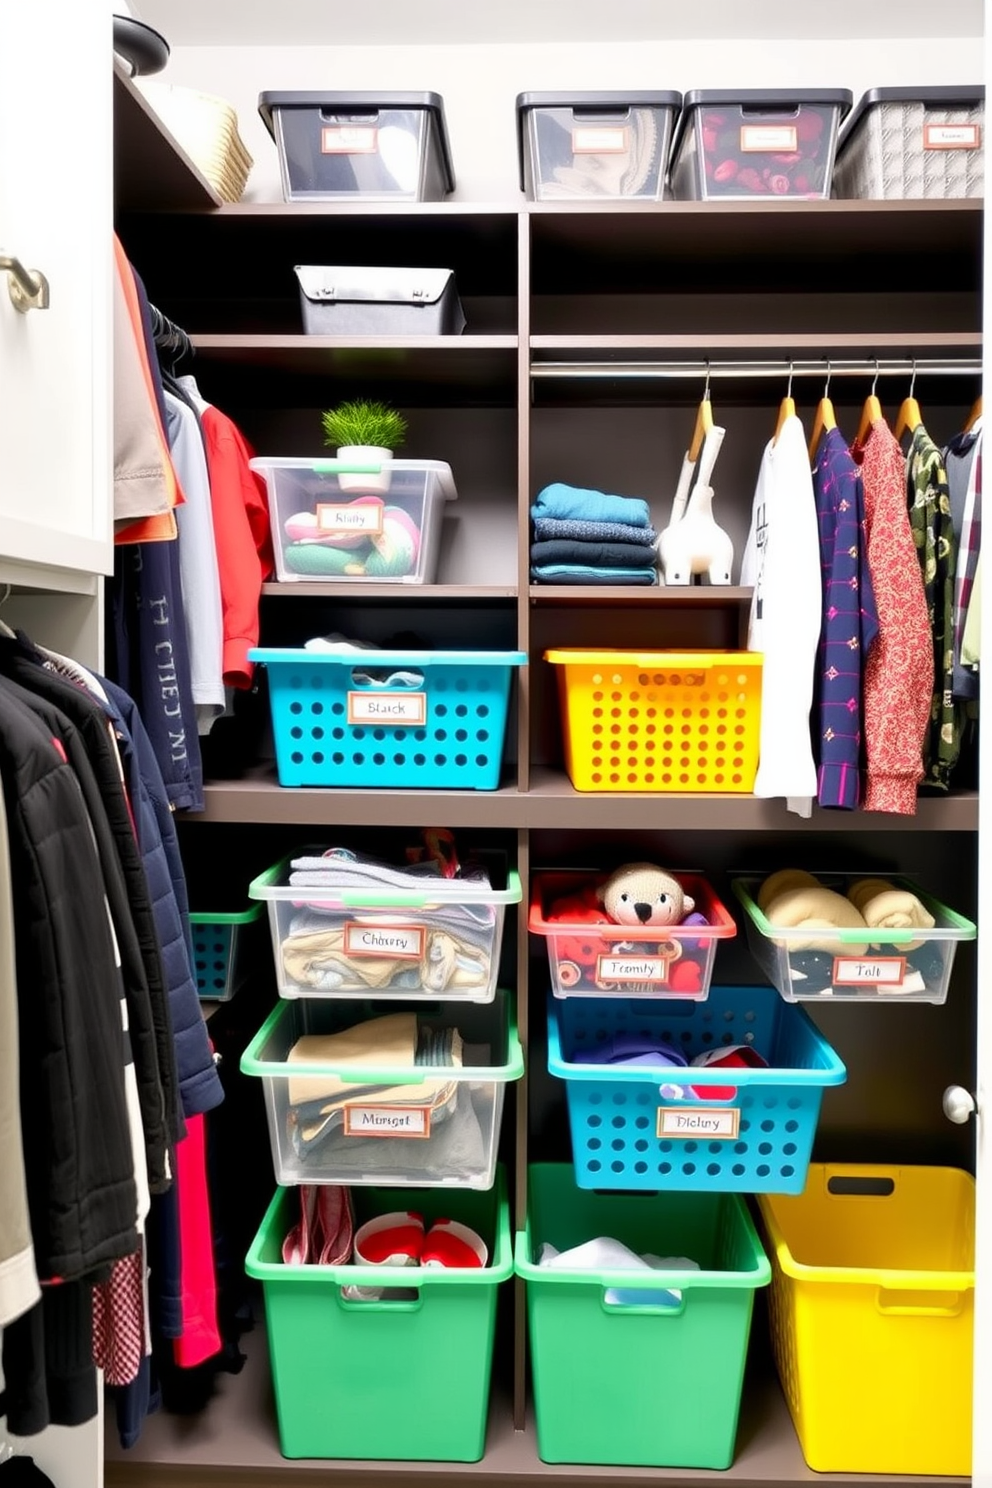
589 537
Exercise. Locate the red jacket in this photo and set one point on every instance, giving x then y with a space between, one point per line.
241 531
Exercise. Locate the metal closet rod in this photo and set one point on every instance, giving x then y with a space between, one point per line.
842 367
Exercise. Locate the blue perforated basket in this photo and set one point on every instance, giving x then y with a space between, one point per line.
223 951
441 727
635 1127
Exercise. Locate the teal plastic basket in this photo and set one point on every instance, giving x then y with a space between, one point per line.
638 1127
436 721
223 951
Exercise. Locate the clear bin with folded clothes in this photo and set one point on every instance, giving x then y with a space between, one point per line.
851 937
411 1098
349 926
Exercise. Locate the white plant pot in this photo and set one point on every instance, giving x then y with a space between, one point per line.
366 454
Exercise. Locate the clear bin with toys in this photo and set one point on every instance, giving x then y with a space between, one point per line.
668 952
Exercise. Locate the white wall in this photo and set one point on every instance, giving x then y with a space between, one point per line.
479 83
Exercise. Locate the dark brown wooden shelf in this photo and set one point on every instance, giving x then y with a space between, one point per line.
706 596
151 169
235 1441
400 592
552 802
751 345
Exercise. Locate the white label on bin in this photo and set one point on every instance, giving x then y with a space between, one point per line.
600 139
401 709
631 968
877 971
951 136
762 137
387 1121
719 1123
404 941
357 516
349 139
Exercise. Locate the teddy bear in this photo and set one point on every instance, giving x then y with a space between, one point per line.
644 895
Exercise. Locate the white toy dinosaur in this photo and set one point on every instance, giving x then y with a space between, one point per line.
693 543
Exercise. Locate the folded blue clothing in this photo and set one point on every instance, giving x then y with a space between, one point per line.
577 573
566 502
593 554
546 529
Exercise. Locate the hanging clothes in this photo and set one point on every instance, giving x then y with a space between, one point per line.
933 533
782 562
963 463
241 529
899 672
971 639
849 624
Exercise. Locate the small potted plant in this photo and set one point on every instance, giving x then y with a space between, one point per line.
364 432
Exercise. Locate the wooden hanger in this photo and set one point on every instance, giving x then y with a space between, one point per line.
825 417
704 421
974 415
871 413
909 415
786 409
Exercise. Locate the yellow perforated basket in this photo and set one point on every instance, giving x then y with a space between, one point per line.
660 720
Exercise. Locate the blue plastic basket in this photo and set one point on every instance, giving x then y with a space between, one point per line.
754 1135
441 728
223 953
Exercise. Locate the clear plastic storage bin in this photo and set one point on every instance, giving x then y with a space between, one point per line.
372 146
752 142
363 524
872 1310
325 1348
714 1129
361 1109
909 143
224 947
401 719
604 145
589 960
639 1368
439 939
810 965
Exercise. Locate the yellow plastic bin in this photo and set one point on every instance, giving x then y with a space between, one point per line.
660 720
872 1314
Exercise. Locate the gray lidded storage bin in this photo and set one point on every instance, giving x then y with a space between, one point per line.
756 142
606 145
908 143
346 300
371 146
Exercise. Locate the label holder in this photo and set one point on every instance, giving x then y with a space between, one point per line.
360 1121
691 1123
395 709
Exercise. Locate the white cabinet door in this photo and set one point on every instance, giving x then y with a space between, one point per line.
56 202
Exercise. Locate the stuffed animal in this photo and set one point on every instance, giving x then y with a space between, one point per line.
643 894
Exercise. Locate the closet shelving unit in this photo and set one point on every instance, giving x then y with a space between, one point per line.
597 285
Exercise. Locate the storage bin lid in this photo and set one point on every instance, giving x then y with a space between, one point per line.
358 103
374 286
772 99
593 103
948 96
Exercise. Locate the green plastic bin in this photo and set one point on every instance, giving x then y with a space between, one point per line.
392 1380
647 1385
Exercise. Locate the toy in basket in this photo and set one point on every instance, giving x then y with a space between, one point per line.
638 933
722 1095
660 720
850 938
405 719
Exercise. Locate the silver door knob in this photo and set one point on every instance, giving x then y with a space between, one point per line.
28 287
959 1104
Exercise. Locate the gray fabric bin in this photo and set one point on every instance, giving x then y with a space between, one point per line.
905 144
342 300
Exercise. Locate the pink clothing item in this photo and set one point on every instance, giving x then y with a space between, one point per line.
898 681
119 1321
200 1338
